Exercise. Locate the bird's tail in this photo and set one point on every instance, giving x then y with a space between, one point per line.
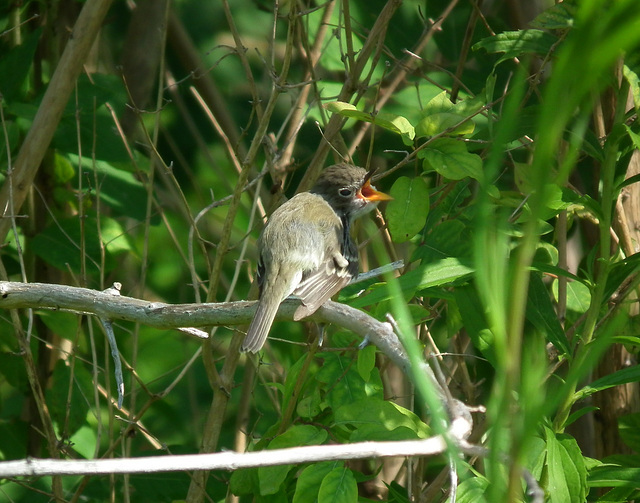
260 325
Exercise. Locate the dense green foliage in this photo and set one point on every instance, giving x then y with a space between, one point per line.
510 148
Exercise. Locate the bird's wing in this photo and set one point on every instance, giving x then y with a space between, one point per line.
319 285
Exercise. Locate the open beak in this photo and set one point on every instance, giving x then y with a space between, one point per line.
369 193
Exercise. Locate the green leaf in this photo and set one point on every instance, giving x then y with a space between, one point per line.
244 482
620 495
441 114
620 272
310 406
472 490
394 123
474 320
84 441
376 419
15 65
407 212
578 296
635 138
634 86
566 468
366 362
63 170
624 376
310 479
451 159
450 238
516 43
542 315
338 486
69 410
290 383
120 189
272 477
578 414
629 428
59 244
536 456
556 17
12 369
614 476
441 272
343 382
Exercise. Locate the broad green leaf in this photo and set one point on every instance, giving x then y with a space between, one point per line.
566 468
63 324
338 486
542 315
271 477
516 43
629 428
15 65
450 238
375 419
536 456
63 170
343 382
114 236
578 296
471 490
244 482
310 479
84 441
118 188
69 396
556 17
366 362
13 371
13 434
59 244
394 123
474 320
437 123
430 275
451 159
407 212
311 405
441 114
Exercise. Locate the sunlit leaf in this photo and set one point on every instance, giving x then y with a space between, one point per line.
339 486
567 472
394 123
518 42
634 86
451 159
407 212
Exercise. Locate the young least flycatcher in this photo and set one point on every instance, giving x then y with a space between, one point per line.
306 247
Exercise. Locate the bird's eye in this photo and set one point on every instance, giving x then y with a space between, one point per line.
345 192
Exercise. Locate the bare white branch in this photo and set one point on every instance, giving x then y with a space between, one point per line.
223 460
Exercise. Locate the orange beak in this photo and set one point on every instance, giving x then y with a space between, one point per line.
369 193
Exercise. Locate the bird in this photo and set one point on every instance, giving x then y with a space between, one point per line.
306 249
